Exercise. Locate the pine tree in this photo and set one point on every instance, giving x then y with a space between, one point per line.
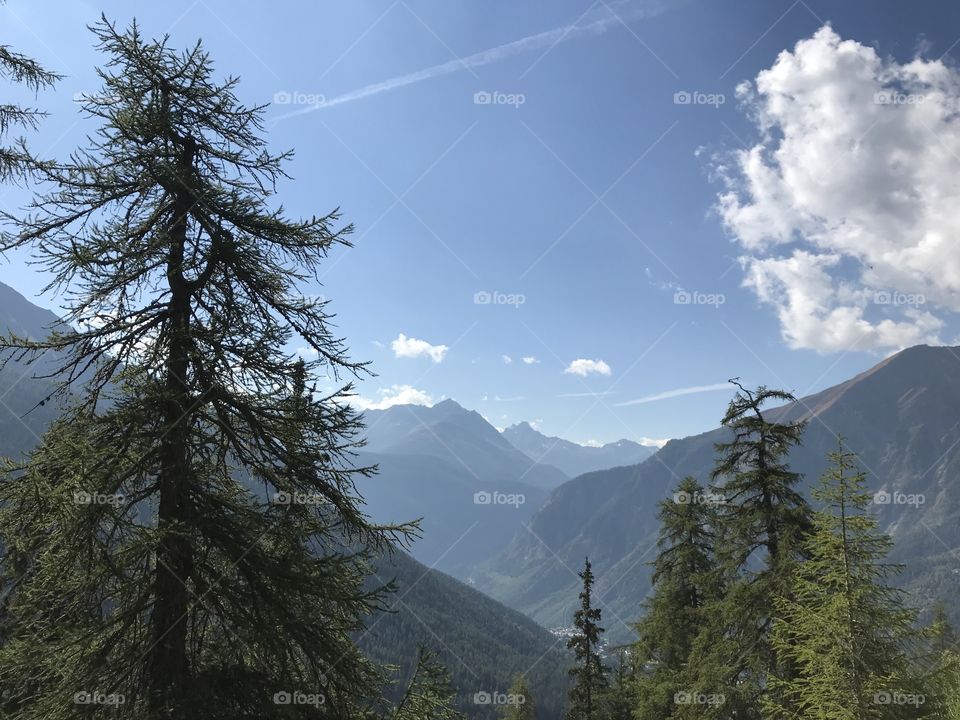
619 698
846 632
522 706
590 678
684 581
16 160
187 539
428 695
762 523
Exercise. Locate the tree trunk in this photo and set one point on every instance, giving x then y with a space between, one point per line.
168 671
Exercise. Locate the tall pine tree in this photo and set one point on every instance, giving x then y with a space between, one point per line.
684 582
761 527
589 673
187 541
841 626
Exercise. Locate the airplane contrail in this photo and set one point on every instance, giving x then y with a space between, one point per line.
676 393
546 39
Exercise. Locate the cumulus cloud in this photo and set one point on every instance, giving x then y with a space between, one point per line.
507 360
408 347
584 367
848 208
394 395
530 360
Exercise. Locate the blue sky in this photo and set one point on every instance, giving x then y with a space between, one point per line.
618 213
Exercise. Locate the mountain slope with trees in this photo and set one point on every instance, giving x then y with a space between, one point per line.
900 420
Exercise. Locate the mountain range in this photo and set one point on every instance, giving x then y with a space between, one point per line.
572 458
901 420
482 643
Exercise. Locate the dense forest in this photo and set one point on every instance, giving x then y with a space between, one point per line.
186 540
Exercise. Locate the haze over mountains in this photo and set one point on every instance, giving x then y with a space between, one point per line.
575 459
899 417
481 642
506 512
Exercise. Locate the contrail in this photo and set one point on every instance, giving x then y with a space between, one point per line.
546 39
676 393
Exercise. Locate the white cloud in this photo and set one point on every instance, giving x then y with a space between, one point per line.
412 347
394 395
850 195
678 392
654 442
506 359
530 360
584 367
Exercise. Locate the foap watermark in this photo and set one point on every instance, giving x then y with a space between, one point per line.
296 97
899 498
682 297
86 697
499 498
699 498
484 297
498 698
895 97
296 697
296 498
82 497
696 97
894 297
895 697
495 97
690 697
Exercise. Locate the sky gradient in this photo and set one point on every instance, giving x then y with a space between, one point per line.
590 216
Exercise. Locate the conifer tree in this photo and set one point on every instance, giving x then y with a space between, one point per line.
846 632
15 159
761 526
684 582
187 540
589 673
619 699
522 706
428 695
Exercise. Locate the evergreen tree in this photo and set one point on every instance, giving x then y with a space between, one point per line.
187 541
684 581
523 707
428 695
844 630
589 674
16 160
619 698
761 526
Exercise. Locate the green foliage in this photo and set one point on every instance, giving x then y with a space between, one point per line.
844 630
761 524
428 696
16 160
187 539
590 676
523 706
684 582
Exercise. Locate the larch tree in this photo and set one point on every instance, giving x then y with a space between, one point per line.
761 525
15 159
845 630
187 541
589 673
